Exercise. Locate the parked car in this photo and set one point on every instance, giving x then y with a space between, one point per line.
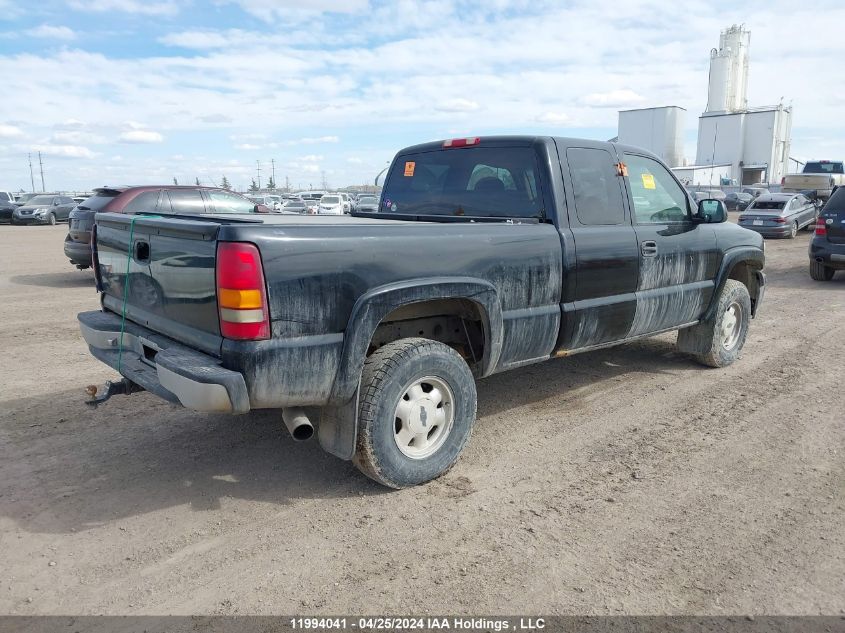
382 323
274 203
331 204
79 199
756 192
22 198
367 204
818 176
347 202
827 248
45 208
169 199
737 201
295 206
7 206
779 214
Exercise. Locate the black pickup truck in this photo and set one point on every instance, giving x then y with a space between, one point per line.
486 254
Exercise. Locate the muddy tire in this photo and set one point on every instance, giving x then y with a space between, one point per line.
820 272
416 411
718 342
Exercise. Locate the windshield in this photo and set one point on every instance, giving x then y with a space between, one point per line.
820 167
40 200
768 205
97 202
474 182
294 203
330 200
367 200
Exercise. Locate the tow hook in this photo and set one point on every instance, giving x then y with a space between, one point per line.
122 387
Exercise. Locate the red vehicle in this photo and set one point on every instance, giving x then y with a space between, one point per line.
161 199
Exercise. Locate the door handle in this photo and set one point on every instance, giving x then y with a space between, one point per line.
649 248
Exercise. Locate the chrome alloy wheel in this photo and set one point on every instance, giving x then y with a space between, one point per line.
424 417
731 325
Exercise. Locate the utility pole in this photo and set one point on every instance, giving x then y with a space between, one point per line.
287 184
258 163
42 172
273 166
31 176
325 184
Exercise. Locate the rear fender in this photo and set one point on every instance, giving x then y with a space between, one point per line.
372 307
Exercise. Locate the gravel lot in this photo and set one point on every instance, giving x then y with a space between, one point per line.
624 481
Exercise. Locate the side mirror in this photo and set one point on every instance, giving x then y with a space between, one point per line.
711 211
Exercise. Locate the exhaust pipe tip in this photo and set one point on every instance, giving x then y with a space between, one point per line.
298 424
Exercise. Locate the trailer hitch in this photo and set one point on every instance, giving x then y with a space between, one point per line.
122 387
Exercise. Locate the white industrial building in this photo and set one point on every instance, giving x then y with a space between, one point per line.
659 130
736 144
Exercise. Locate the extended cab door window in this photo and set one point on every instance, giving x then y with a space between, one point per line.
657 197
596 187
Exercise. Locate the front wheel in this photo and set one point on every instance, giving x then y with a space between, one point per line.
51 219
417 407
719 341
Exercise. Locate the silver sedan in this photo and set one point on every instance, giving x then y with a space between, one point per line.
779 214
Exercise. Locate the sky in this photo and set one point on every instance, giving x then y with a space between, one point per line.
144 91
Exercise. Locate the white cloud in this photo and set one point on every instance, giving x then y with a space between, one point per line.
457 105
141 136
354 160
271 10
78 137
48 31
554 118
10 131
164 7
613 99
311 158
63 151
247 146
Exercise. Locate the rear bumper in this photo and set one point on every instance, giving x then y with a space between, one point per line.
78 253
164 367
828 253
765 231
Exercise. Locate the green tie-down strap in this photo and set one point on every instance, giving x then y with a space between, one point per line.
126 286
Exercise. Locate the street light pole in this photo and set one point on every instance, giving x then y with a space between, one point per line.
375 182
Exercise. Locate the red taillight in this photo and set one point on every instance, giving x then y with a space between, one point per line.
462 142
782 180
241 293
779 220
821 228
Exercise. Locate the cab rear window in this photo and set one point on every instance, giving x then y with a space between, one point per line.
472 182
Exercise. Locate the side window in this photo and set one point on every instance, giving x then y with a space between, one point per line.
658 198
186 201
145 202
224 202
596 187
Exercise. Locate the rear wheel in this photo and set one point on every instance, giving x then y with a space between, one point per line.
820 272
417 408
793 230
719 341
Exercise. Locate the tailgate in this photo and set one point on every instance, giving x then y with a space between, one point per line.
163 276
800 182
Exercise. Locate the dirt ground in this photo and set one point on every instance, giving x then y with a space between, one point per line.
628 481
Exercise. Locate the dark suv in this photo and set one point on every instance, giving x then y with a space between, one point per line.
164 199
827 249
